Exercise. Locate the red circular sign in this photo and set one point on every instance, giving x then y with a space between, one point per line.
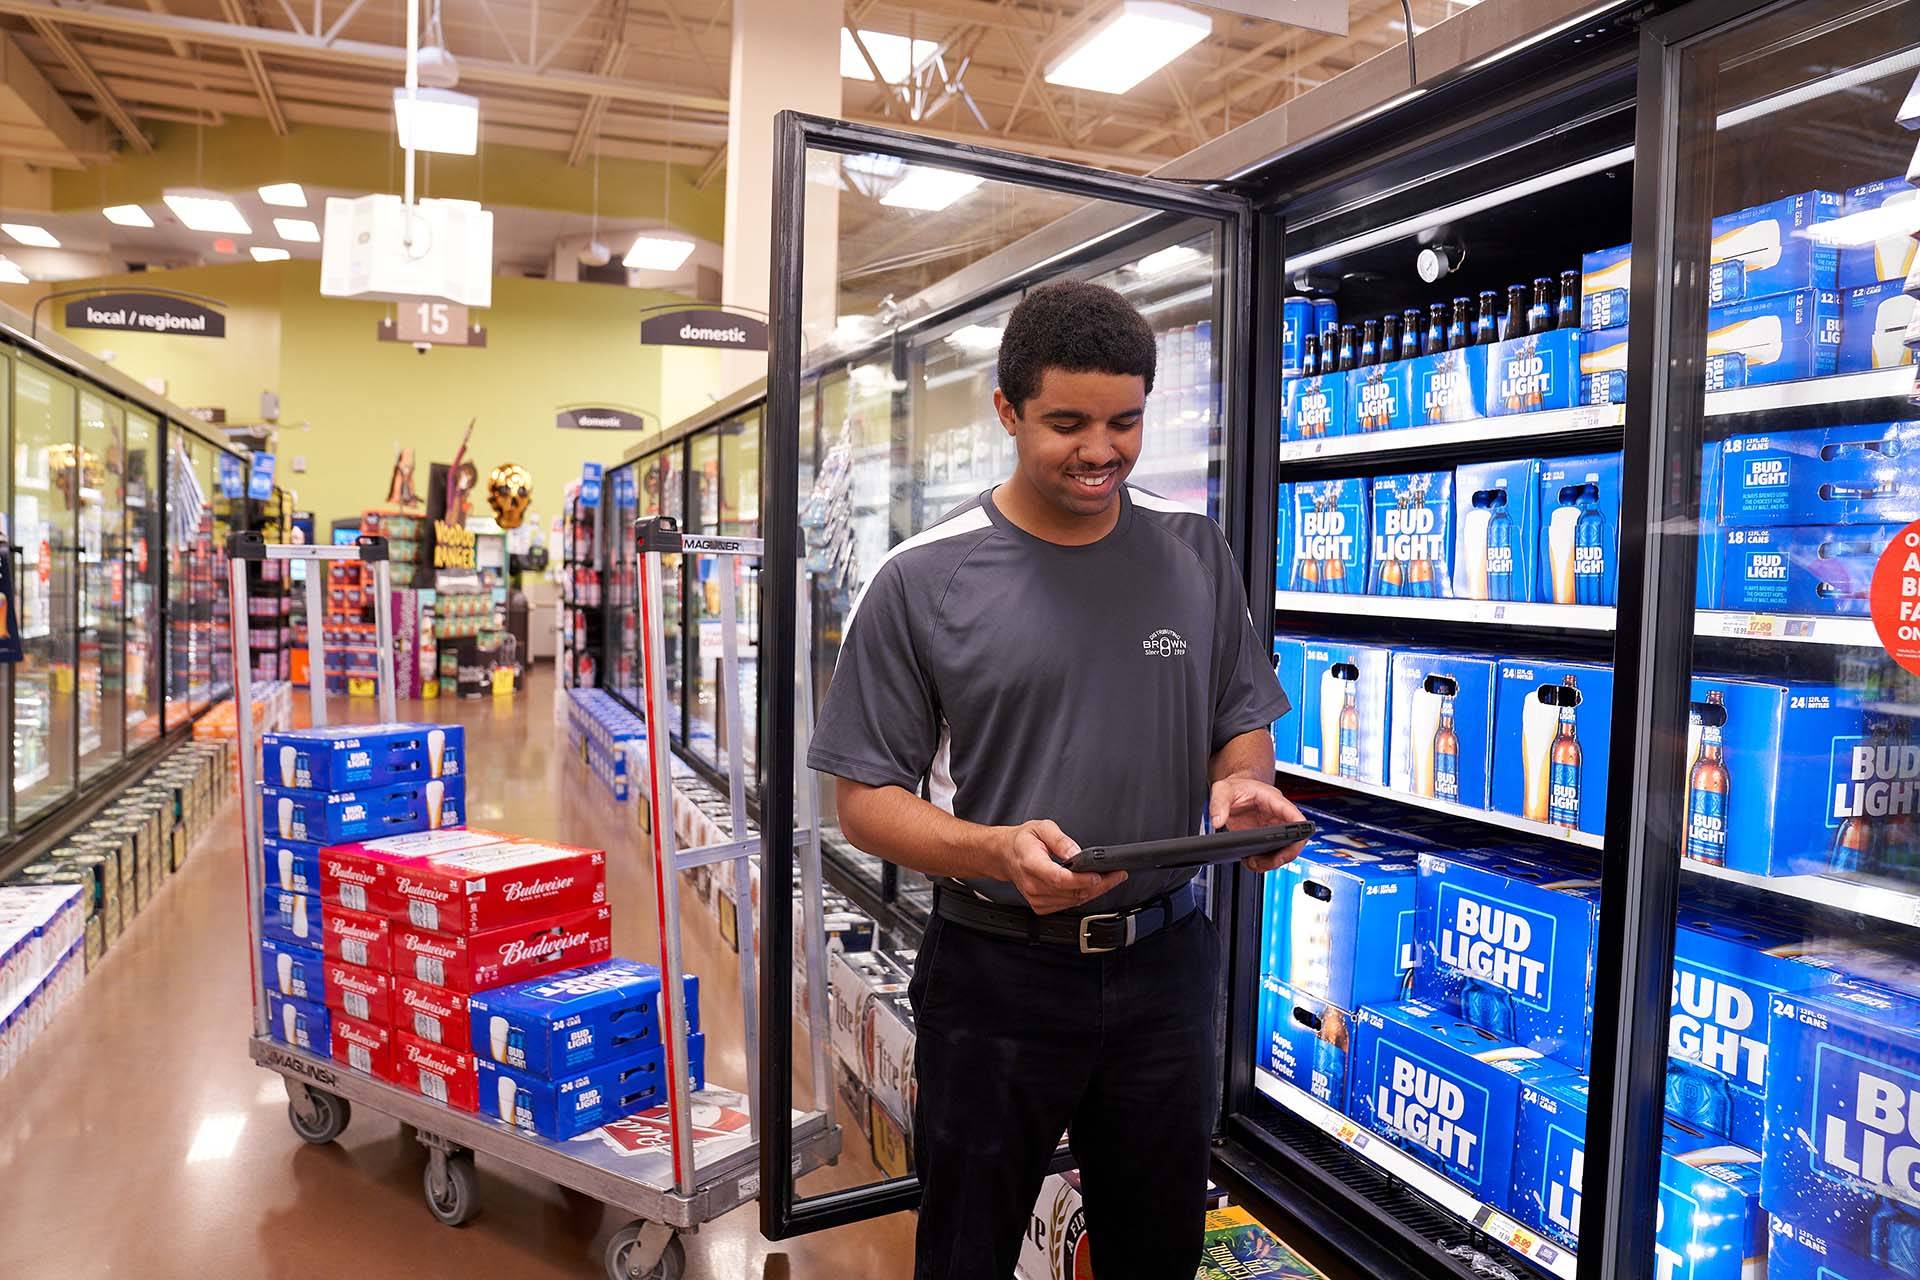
1896 597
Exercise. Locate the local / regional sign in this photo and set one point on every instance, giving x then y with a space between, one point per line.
146 313
597 419
703 327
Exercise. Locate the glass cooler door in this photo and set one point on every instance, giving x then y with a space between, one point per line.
45 495
102 512
141 574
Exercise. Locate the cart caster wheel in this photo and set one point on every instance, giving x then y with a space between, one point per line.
322 1120
453 1189
623 1251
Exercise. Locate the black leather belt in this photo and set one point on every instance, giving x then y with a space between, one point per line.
1094 933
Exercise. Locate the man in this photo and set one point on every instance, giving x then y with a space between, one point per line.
1062 661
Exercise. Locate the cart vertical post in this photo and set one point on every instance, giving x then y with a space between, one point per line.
745 917
244 549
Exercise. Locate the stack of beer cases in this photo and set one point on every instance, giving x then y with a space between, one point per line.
565 1053
324 787
42 962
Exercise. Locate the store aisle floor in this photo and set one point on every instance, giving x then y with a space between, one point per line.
136 1138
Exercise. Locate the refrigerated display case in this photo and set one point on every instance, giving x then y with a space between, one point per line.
100 486
45 495
140 574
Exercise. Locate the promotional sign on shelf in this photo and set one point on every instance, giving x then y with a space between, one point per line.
233 482
260 482
590 476
146 313
705 327
1895 598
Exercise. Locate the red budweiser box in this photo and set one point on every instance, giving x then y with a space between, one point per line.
363 1046
360 992
434 1014
359 876
437 1071
481 961
500 885
357 937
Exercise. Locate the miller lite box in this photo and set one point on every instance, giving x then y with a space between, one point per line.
1496 528
578 1101
1534 371
1823 475
1889 255
299 1024
1412 544
364 1046
358 937
1798 1251
1510 946
493 958
1289 666
1315 408
1442 725
1378 397
299 972
359 876
1605 285
434 1014
1726 971
1603 365
1305 1041
498 885
335 817
1343 705
1550 747
855 979
1448 386
887 1038
1443 1091
1843 1120
292 866
568 1021
293 918
350 757
1818 569
1329 536
1873 324
1777 338
1579 542
359 992
444 1073
1772 249
1347 919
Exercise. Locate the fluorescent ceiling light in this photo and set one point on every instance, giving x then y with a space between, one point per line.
207 213
437 120
11 273
27 233
897 56
929 189
976 337
126 215
266 253
1138 40
657 253
287 195
298 230
1172 258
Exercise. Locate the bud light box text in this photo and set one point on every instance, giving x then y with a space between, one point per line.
1330 536
1603 366
1412 535
1819 569
1343 710
335 817
1828 475
1777 338
1533 372
583 1100
345 757
1843 1120
1890 255
1796 1251
1378 397
1508 944
1550 739
1605 285
1579 544
1347 917
1496 522
1448 386
574 1019
1442 724
1770 249
293 971
299 1024
1305 1041
499 885
293 918
1873 324
1289 666
1443 1091
292 865
1315 408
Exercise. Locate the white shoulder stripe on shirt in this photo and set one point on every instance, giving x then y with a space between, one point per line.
964 523
1154 502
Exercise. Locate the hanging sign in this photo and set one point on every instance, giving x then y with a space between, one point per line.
260 482
705 327
233 483
599 420
434 324
590 475
146 313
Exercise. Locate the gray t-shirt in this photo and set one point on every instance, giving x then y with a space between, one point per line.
1015 679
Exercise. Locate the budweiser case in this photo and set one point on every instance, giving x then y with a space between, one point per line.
364 1046
359 875
359 992
359 937
436 1071
434 1014
496 957
499 885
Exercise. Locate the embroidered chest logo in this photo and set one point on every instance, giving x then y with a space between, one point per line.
1165 644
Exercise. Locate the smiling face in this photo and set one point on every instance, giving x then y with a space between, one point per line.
1078 437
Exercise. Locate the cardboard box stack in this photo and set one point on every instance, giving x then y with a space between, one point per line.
599 729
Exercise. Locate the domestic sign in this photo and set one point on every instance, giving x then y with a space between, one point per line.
146 313
705 327
599 420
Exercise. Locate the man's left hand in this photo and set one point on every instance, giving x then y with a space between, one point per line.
1238 803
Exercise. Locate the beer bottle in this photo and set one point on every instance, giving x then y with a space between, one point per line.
1436 337
1563 785
1499 544
1369 352
1589 548
1460 332
1540 317
1707 787
1310 357
1393 567
1514 323
1350 723
1446 754
1410 333
1568 307
1486 328
1389 338
1349 347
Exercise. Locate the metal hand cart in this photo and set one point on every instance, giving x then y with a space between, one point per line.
673 1168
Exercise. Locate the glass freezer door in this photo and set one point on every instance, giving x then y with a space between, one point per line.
897 258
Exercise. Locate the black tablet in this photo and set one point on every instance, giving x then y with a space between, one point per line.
1189 851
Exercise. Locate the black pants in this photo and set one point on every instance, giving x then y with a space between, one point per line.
1018 1042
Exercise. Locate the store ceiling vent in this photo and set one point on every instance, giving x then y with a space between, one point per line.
367 251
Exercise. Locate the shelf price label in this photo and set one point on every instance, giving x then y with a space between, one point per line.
1895 598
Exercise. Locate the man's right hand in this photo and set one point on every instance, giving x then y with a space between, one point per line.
1030 858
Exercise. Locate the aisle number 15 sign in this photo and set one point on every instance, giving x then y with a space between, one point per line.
439 324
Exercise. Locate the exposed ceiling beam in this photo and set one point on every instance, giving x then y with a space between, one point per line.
257 70
103 96
1059 150
607 64
715 79
54 128
714 168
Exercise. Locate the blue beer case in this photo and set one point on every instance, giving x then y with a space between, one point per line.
336 817
1379 397
1314 408
1429 687
1306 1041
1534 372
1411 528
1868 474
1874 323
1330 670
1342 915
571 1020
1447 386
1889 256
578 1102
343 757
1814 569
1329 537
1289 666
1578 548
1496 530
1797 1251
1551 735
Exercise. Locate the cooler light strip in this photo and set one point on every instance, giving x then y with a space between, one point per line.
1892 64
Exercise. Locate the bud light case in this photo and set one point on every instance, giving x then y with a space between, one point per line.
1579 545
1769 249
348 756
1873 324
1448 386
335 817
1377 397
1867 474
292 865
1891 255
1412 535
292 918
1349 919
1797 1251
1315 408
1550 739
1771 339
1605 286
565 1022
1296 319
1843 1120
579 1101
1533 372
1289 666
1496 523
1603 366
300 1024
1330 536
1442 725
1817 569
288 970
1508 944
1306 1041
1283 537
1343 710
1445 1092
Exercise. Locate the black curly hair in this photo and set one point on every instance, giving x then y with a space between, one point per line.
1076 326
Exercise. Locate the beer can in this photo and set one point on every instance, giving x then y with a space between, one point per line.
1325 315
1297 321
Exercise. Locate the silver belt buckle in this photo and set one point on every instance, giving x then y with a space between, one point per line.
1087 948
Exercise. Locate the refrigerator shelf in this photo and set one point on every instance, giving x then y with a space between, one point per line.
1511 822
1521 426
1791 627
1842 396
1883 902
1505 613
